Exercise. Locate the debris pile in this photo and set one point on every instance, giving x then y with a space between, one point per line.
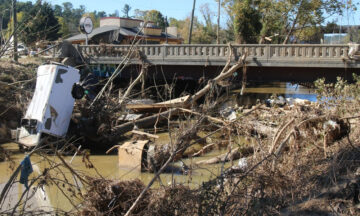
109 197
298 158
17 82
116 197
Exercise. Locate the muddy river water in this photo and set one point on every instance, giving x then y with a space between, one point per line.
108 165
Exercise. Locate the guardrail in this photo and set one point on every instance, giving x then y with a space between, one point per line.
253 50
260 55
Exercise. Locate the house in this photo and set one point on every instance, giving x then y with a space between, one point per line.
116 30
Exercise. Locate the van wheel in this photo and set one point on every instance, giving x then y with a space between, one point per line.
77 91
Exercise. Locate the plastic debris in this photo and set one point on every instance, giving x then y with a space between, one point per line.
26 170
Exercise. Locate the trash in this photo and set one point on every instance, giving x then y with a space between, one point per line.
297 101
228 113
130 117
232 116
242 164
279 101
133 154
354 48
26 170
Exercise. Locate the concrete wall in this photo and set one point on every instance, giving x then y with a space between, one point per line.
129 23
109 21
172 31
120 22
151 31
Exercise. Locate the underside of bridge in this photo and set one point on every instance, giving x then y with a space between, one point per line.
255 74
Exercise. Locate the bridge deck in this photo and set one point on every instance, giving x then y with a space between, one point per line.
298 55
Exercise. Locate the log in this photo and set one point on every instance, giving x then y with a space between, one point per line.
145 134
204 149
223 75
213 119
235 154
158 107
126 94
144 122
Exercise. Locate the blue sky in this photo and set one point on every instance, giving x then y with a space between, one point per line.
179 9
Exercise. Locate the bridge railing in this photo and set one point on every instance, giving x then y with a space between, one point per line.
220 52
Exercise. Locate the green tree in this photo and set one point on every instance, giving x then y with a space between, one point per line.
126 10
156 17
285 18
20 18
209 29
58 10
41 25
247 25
271 20
101 14
64 28
300 14
331 27
199 33
353 35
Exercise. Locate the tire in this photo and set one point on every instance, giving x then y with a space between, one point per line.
77 91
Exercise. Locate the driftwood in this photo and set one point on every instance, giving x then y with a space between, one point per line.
210 118
144 122
223 75
260 128
235 154
277 137
151 120
128 90
204 149
158 107
145 134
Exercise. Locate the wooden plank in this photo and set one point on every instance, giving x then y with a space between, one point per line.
179 101
159 107
145 134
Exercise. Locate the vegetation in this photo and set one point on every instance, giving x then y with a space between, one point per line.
249 21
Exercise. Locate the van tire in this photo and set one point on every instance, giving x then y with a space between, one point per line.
77 91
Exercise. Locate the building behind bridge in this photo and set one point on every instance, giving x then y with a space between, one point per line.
116 30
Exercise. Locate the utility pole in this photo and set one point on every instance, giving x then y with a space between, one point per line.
191 21
218 24
14 30
165 20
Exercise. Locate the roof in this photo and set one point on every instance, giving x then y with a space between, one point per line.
95 32
124 31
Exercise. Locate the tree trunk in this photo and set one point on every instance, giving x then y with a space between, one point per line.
144 122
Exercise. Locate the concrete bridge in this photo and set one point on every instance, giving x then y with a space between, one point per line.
298 62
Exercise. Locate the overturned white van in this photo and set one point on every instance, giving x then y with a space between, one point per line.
52 105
